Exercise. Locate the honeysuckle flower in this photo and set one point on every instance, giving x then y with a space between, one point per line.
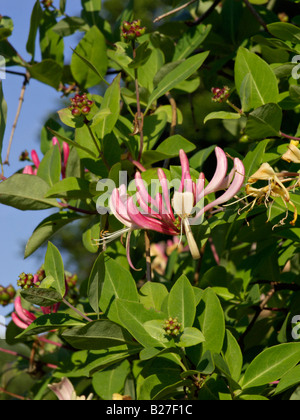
30 170
293 153
156 213
23 318
274 189
65 391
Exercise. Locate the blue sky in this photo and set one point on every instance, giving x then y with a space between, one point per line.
16 226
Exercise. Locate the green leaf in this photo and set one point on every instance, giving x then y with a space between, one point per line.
95 284
91 5
232 355
111 102
3 117
222 115
180 73
89 61
254 158
133 316
50 166
50 322
41 296
211 322
152 295
167 149
271 364
47 228
142 55
285 31
111 380
255 81
26 192
47 71
190 41
36 16
190 337
264 121
6 27
181 303
69 25
288 380
97 335
154 327
54 267
118 284
70 188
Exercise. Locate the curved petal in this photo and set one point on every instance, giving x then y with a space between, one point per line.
166 192
233 189
35 158
185 167
146 197
18 322
22 313
28 170
220 172
147 222
118 208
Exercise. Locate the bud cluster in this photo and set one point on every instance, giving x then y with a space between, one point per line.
26 281
172 327
81 105
71 281
40 274
132 30
220 95
24 156
7 295
47 3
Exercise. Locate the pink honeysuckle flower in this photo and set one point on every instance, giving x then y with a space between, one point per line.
23 318
157 213
65 391
32 170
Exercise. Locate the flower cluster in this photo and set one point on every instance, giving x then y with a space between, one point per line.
220 95
30 170
26 281
7 295
172 327
81 105
156 213
132 30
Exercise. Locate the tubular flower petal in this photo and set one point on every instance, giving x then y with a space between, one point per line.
157 213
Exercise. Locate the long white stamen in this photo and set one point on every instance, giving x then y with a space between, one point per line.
191 240
109 237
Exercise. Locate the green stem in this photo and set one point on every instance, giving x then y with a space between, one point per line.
138 105
97 146
238 110
77 310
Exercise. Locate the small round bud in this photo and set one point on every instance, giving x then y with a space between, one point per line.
76 112
85 110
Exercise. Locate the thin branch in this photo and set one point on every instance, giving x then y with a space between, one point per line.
140 116
256 15
173 122
148 257
21 100
289 137
77 310
205 14
171 12
258 311
11 394
78 210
